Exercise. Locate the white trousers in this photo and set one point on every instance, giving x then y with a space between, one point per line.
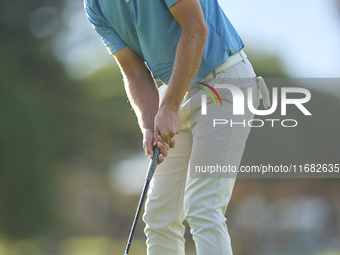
175 196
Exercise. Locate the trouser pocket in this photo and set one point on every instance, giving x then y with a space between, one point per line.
263 92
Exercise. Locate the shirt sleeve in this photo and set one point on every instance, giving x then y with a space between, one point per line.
112 41
170 3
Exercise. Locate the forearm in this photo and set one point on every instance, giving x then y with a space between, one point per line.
189 54
143 95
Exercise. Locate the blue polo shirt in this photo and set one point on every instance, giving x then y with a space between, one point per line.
150 30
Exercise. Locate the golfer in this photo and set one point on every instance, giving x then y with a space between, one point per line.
180 42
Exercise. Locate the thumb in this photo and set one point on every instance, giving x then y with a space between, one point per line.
155 136
148 148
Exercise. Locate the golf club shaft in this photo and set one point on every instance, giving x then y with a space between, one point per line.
151 170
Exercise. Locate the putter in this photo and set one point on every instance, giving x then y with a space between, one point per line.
151 170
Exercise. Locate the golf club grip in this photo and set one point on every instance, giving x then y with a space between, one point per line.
153 163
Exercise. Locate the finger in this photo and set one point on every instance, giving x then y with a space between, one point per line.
160 159
162 148
148 149
147 143
168 137
155 135
172 142
163 142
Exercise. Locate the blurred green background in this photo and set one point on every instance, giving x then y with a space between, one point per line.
71 158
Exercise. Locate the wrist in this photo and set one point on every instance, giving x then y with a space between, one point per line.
147 129
146 126
171 101
166 107
146 121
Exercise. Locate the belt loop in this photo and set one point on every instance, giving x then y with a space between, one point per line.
243 55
